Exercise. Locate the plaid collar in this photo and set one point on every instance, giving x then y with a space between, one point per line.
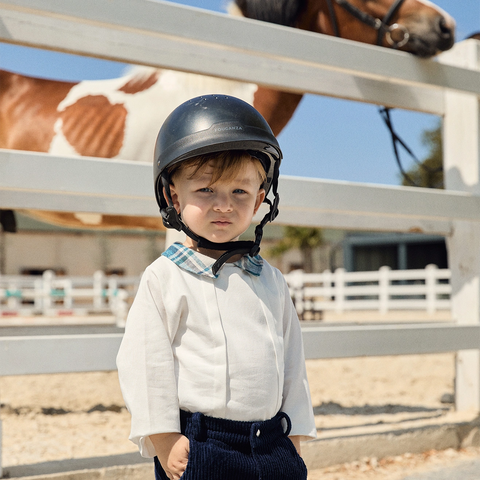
195 262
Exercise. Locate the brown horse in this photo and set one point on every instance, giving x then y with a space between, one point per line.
114 118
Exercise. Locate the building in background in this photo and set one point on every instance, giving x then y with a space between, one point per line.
38 246
401 251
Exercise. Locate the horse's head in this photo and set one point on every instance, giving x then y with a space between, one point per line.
415 26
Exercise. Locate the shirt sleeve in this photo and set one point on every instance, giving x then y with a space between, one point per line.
297 403
146 366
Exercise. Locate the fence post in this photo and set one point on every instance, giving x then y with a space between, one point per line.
112 289
12 297
38 296
339 289
68 290
295 281
119 307
98 298
383 287
327 282
461 149
47 291
430 292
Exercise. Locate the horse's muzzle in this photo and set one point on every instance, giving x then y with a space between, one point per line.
445 33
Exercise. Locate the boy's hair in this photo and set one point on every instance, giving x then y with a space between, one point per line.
226 165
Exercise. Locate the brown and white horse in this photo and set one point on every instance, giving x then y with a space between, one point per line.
120 118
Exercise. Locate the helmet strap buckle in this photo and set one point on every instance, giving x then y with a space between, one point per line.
274 208
170 216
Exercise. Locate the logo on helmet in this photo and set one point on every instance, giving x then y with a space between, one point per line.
224 129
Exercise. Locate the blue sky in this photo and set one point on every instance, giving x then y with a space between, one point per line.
327 138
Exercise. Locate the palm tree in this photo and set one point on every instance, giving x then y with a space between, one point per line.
306 239
429 172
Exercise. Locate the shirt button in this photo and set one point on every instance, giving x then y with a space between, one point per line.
258 432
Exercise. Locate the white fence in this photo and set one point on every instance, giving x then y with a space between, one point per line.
169 36
339 291
383 290
52 295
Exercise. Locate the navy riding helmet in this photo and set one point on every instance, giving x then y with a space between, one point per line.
210 124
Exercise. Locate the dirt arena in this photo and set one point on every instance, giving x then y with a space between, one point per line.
62 416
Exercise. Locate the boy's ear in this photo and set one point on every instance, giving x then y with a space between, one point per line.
259 200
174 196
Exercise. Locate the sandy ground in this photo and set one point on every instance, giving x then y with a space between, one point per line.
395 468
54 417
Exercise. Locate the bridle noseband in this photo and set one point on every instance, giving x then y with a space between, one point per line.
381 25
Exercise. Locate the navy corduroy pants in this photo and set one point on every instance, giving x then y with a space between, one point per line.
233 450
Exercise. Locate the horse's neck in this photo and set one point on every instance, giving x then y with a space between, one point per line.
4 76
276 107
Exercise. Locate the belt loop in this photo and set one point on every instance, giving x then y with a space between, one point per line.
283 415
197 426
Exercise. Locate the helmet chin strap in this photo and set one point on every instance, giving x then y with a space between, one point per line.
172 219
249 247
231 248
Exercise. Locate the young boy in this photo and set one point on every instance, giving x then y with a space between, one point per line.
211 365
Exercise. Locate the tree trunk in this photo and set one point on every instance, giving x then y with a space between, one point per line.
307 253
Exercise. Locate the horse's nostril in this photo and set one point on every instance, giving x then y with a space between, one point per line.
444 30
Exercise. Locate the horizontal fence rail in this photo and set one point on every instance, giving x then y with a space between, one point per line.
154 33
381 340
41 354
25 355
79 185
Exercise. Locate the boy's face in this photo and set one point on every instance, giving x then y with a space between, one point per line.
220 212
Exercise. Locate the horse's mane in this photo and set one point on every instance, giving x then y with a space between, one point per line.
282 12
475 36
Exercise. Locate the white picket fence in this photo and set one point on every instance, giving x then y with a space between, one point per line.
382 290
52 295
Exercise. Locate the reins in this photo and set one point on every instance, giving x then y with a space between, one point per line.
384 30
396 141
380 25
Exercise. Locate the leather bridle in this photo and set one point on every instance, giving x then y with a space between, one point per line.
381 25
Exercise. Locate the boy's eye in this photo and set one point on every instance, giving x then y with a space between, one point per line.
239 190
205 189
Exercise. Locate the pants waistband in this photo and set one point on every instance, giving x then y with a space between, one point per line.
200 422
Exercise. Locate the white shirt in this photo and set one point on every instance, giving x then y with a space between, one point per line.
228 347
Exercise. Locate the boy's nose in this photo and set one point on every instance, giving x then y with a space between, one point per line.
222 203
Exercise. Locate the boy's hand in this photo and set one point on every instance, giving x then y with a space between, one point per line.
172 452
